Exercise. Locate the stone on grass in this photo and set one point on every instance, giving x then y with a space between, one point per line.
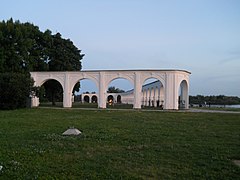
236 162
72 131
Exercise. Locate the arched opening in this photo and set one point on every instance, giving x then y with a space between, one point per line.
110 100
122 91
153 94
86 99
183 95
94 99
119 101
51 93
86 94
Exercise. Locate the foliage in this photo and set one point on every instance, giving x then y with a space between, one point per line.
55 91
118 145
219 100
24 48
15 88
113 89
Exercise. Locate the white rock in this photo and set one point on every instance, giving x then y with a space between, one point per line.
72 131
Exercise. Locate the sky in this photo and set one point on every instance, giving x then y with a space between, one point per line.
200 36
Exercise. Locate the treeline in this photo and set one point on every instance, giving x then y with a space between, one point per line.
218 100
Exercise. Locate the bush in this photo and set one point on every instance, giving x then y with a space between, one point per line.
15 89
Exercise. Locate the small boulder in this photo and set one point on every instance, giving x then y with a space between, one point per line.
72 131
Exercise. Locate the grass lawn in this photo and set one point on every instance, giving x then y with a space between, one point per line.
118 145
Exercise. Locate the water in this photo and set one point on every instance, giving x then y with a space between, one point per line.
231 106
221 106
226 106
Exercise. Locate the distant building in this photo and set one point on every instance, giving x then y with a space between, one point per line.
152 95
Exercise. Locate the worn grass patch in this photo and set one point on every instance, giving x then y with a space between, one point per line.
118 144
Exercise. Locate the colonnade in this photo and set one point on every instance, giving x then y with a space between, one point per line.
153 94
170 81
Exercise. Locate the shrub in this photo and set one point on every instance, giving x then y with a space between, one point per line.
15 89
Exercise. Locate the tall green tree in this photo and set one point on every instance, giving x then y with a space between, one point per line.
24 48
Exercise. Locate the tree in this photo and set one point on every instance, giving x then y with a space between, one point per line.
14 90
53 91
24 48
217 100
63 56
112 89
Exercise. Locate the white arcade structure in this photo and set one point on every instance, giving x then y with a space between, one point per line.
152 95
170 91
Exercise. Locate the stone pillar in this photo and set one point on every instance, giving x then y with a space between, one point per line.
161 95
34 101
171 92
102 91
184 98
186 95
67 94
142 98
156 95
149 95
146 97
153 97
137 91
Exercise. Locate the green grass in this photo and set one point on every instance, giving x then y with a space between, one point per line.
95 105
118 145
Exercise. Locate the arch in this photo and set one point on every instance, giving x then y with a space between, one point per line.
87 87
122 76
153 89
94 99
49 79
183 95
147 77
110 99
49 92
126 97
119 99
80 79
86 99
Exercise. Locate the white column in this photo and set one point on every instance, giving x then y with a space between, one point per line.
149 96
171 92
102 91
156 96
186 98
146 97
34 101
153 97
161 95
184 95
137 91
67 94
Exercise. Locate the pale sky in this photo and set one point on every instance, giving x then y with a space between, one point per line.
201 36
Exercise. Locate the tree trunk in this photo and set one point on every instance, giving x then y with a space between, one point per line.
53 99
